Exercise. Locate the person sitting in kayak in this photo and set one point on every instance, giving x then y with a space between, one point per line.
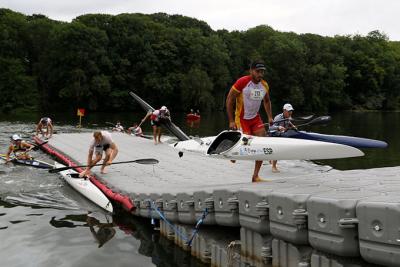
45 122
157 117
118 128
135 130
19 148
282 123
249 92
102 141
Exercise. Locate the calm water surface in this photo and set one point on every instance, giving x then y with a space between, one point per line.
43 222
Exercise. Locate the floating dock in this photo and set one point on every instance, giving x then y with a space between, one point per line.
354 215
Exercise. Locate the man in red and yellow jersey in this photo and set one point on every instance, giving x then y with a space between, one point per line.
249 92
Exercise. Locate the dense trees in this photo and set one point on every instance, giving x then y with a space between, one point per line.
181 62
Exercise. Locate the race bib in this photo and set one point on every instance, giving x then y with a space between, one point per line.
257 94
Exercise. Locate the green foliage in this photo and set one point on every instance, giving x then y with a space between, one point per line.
181 62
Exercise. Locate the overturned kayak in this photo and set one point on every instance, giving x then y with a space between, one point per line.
238 146
357 142
28 162
85 187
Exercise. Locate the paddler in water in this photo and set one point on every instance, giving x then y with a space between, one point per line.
102 141
157 117
248 93
45 122
19 148
281 124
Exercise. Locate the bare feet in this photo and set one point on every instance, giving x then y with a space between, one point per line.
275 169
258 179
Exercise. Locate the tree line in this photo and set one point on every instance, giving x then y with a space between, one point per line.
177 61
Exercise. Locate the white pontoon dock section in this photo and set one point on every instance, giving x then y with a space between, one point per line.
344 213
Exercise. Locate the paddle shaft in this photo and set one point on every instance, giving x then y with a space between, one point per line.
139 161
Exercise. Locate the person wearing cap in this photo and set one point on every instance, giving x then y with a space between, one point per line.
45 122
157 118
282 123
19 148
102 141
118 127
248 93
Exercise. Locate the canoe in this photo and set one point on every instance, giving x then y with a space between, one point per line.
357 142
192 117
31 162
238 146
175 130
85 187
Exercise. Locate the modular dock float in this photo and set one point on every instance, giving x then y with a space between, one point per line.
335 218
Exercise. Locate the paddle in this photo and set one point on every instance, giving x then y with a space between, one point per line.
318 120
39 145
139 161
300 119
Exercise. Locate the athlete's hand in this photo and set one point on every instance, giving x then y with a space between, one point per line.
108 162
232 125
271 121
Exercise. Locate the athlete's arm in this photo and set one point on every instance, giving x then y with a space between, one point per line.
230 102
267 106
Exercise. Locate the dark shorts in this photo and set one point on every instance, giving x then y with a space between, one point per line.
155 123
100 149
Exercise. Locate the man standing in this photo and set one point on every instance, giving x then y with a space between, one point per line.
102 141
248 92
157 118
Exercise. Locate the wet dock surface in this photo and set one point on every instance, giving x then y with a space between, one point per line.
346 213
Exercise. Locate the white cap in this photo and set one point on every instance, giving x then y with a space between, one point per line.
16 137
288 107
163 108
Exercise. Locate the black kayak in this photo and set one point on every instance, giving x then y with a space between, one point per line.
357 142
175 130
30 162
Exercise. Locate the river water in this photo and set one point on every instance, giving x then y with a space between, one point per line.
43 222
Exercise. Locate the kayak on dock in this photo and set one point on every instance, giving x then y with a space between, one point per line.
238 146
85 187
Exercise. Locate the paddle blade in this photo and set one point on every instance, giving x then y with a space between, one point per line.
55 170
146 161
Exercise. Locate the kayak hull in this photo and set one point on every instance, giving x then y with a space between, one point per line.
86 188
192 117
357 142
238 146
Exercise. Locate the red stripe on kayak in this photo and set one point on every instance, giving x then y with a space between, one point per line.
125 201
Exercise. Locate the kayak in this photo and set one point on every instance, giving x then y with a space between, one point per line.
85 187
238 146
192 117
175 130
29 162
357 142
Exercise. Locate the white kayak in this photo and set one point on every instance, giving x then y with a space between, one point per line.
85 187
238 146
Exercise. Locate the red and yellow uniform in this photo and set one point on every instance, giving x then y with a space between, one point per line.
248 103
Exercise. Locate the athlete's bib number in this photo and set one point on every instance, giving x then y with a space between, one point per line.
257 94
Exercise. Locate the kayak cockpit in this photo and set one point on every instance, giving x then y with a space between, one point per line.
224 142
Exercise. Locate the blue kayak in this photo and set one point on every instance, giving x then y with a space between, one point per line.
357 142
29 162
